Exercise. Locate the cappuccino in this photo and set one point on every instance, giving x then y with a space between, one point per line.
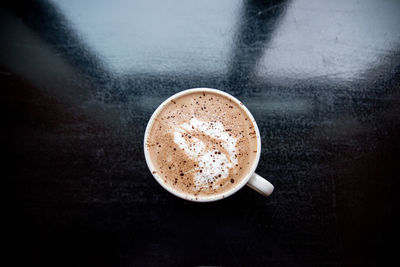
202 143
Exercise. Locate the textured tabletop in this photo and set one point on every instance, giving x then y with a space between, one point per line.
81 78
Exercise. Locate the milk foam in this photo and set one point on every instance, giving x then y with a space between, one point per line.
212 164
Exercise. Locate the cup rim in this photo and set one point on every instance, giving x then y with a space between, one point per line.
189 197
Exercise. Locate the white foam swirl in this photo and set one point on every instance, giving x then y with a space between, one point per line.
213 164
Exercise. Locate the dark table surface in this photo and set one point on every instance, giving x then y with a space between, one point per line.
80 79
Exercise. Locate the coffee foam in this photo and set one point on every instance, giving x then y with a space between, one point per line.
202 144
212 164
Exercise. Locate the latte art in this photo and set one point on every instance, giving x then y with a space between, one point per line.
213 163
202 144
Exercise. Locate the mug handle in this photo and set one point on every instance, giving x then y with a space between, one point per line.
260 184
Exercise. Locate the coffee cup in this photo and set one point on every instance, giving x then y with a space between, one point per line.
188 143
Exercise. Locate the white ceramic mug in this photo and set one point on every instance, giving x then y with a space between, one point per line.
251 179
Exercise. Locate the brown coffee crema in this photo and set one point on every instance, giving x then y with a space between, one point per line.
202 144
